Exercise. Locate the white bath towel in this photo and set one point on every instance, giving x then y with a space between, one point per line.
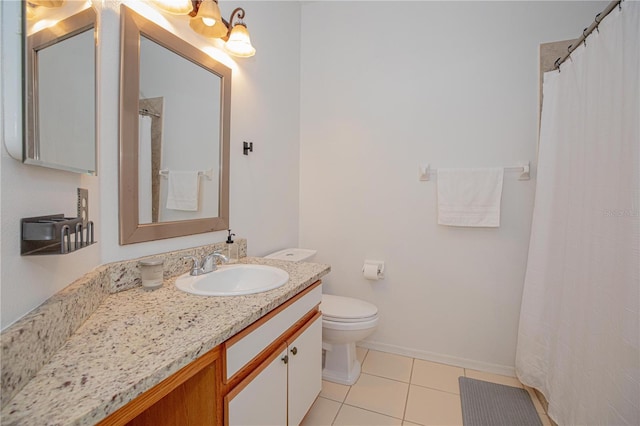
469 197
182 191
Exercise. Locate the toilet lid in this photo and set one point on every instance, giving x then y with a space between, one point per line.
346 309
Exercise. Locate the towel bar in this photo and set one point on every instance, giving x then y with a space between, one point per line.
523 167
206 173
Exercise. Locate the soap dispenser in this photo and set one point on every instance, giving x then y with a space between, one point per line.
232 248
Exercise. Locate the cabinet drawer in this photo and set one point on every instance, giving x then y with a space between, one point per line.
263 333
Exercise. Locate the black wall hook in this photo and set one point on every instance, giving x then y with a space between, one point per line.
247 147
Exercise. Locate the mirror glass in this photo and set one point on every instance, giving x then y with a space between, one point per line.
167 109
174 135
60 125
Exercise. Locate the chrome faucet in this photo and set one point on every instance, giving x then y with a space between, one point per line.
208 263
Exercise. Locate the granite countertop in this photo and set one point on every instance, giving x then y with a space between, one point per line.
137 338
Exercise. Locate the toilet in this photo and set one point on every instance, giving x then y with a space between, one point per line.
345 321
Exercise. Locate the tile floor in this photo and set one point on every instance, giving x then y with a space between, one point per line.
397 390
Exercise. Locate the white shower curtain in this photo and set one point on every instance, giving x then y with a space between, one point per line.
578 340
144 169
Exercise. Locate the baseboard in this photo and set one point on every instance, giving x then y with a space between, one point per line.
440 358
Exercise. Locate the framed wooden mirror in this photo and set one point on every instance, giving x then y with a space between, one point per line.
174 120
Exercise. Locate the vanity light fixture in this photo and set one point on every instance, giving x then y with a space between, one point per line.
239 43
45 3
32 5
207 20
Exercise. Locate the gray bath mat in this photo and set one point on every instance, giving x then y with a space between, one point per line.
490 404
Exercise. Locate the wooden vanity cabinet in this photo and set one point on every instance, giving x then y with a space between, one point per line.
269 373
190 397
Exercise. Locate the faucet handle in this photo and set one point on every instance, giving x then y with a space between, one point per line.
196 264
196 261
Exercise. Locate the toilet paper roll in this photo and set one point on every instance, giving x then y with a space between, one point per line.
370 271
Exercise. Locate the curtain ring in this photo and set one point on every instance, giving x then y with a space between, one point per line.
556 64
597 23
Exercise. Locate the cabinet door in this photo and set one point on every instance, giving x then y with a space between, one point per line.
305 370
261 398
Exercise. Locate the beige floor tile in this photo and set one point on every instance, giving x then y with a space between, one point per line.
334 391
437 376
391 366
493 378
361 353
354 416
433 407
406 423
321 413
378 394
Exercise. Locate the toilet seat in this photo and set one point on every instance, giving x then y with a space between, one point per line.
347 326
339 309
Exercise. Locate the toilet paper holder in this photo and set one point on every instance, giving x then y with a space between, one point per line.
368 266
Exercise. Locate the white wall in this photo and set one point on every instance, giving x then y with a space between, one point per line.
264 185
386 86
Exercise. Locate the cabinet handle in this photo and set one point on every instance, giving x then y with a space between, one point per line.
285 359
294 350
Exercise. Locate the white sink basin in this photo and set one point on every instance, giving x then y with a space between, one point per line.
233 280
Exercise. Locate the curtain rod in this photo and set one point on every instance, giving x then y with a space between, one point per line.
585 33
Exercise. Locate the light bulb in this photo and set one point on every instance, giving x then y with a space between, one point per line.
209 22
239 43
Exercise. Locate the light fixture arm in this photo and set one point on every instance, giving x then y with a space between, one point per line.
240 15
229 24
240 12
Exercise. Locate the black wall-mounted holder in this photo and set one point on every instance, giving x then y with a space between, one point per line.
247 147
54 234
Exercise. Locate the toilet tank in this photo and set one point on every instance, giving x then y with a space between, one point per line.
293 255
